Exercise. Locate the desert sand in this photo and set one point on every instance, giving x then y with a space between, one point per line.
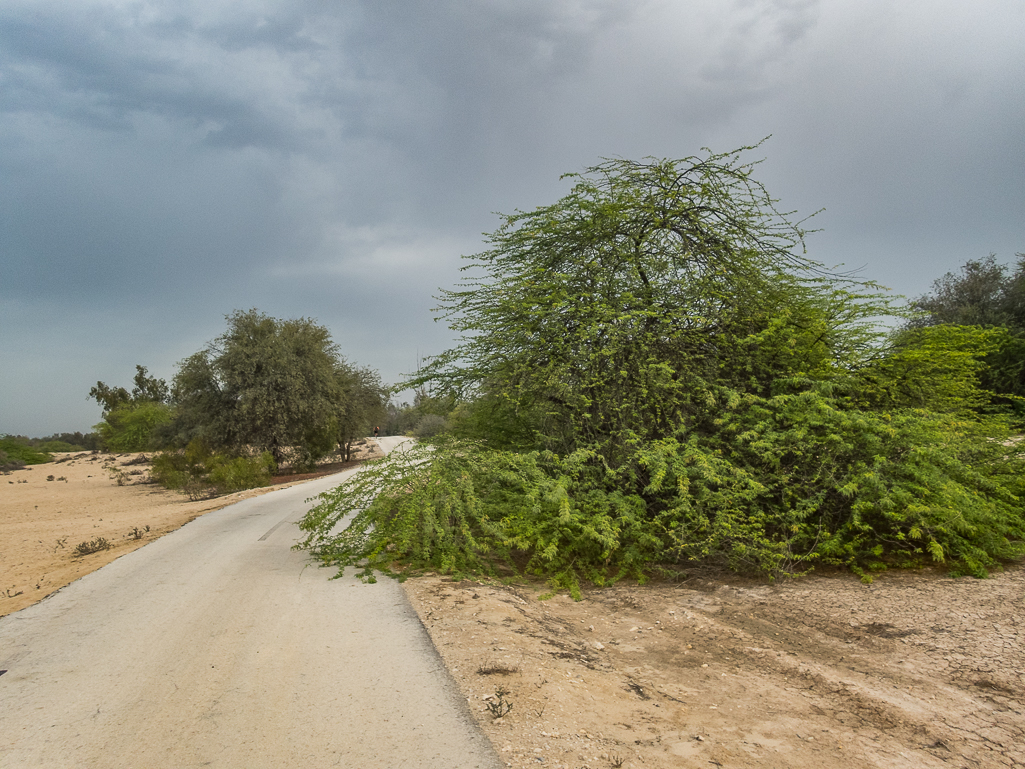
47 511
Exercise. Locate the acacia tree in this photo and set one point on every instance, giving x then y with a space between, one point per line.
363 404
604 319
653 370
266 385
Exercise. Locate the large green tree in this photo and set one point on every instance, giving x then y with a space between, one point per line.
363 404
605 318
651 369
272 385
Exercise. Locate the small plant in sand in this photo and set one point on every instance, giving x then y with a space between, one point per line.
119 476
137 533
498 705
92 546
492 668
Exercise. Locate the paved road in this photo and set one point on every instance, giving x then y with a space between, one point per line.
213 646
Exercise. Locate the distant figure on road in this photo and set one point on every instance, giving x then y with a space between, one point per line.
377 431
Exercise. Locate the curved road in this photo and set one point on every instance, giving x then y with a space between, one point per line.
215 646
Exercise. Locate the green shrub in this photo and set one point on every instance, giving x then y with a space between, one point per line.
429 425
238 473
132 427
651 372
784 483
7 464
58 446
20 452
457 507
197 472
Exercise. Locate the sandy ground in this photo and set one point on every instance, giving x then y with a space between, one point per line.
915 670
46 511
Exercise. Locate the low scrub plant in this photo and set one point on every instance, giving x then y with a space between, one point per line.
198 472
91 546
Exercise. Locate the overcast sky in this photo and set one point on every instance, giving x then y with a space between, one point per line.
164 162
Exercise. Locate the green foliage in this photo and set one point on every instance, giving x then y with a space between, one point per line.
984 295
61 442
183 470
147 389
650 373
601 320
133 426
400 419
361 406
238 473
7 463
799 478
457 507
273 385
197 472
981 295
785 483
132 420
18 451
937 368
430 425
51 447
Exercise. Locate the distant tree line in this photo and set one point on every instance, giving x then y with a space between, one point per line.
651 373
16 451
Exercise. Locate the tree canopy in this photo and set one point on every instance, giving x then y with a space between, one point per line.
273 385
651 370
131 419
606 317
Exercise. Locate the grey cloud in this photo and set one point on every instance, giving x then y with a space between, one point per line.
164 162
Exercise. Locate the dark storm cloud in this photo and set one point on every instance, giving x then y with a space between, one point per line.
162 163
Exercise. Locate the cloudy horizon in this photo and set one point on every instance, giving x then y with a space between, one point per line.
165 163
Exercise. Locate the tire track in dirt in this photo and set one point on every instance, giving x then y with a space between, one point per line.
915 670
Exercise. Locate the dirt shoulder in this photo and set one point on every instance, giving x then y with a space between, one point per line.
915 670
47 510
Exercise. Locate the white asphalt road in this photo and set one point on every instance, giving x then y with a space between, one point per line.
216 646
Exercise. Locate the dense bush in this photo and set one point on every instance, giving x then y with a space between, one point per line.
197 472
7 464
651 373
133 426
53 447
229 474
19 451
429 425
983 294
